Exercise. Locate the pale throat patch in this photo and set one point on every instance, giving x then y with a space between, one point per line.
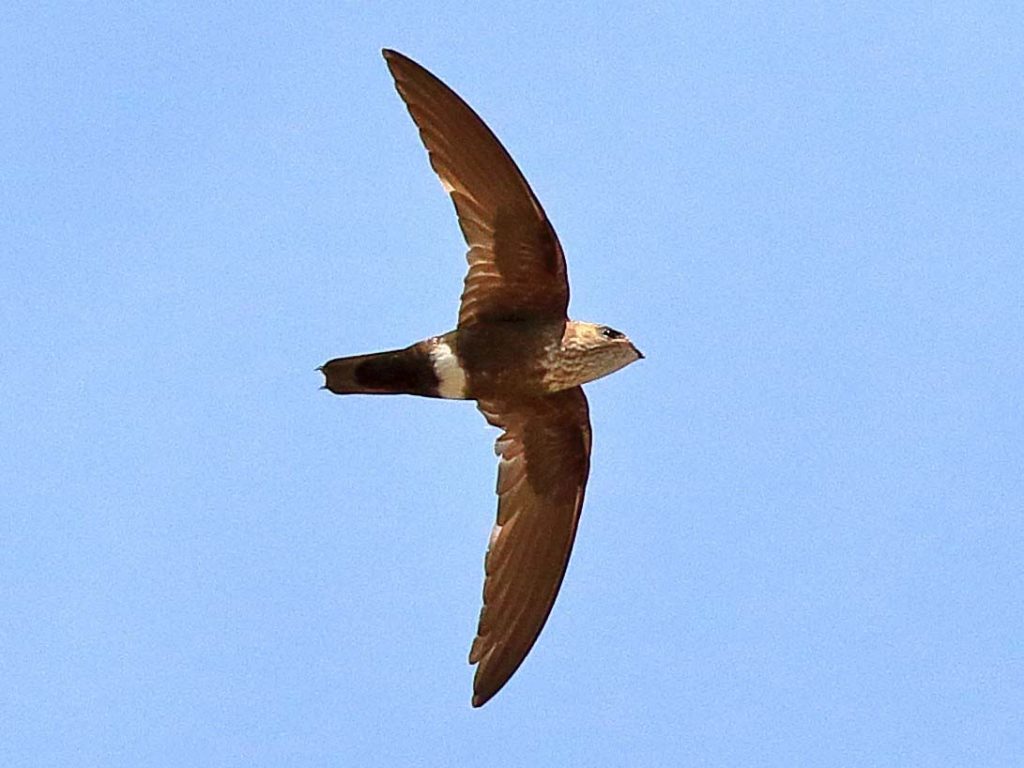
450 376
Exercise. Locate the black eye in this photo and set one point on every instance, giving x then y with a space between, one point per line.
611 333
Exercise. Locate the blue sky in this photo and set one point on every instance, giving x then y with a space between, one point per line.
803 536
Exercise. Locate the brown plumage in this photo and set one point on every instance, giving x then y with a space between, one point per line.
518 355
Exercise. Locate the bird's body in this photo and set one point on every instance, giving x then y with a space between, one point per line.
516 353
499 358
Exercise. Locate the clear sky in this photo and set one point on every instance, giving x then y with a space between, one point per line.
803 542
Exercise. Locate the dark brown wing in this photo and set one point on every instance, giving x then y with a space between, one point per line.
542 474
516 266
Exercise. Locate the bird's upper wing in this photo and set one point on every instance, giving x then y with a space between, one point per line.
516 265
542 474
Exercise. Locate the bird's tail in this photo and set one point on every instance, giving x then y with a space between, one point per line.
408 371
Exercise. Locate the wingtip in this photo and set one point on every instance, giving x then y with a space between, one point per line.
392 59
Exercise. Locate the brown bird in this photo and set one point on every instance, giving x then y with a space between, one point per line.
517 354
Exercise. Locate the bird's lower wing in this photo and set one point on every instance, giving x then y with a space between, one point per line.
542 474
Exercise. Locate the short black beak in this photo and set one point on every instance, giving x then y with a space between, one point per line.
639 354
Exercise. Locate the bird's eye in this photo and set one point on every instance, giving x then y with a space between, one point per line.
611 333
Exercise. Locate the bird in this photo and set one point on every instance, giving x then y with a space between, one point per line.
516 353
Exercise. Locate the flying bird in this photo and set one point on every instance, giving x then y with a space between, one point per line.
517 354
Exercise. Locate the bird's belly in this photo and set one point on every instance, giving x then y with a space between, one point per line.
508 359
503 380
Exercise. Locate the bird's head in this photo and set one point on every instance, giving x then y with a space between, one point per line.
597 350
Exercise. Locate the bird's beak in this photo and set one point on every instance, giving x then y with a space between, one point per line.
639 354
